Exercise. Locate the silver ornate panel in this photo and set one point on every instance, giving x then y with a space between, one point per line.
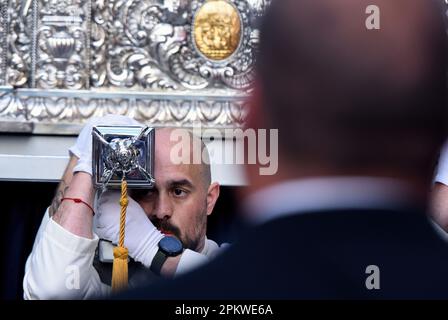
20 14
3 40
163 62
62 44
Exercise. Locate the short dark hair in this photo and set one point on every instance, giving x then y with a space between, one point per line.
354 97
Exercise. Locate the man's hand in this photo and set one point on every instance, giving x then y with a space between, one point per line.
77 217
82 148
141 237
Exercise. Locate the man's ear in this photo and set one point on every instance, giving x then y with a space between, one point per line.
212 196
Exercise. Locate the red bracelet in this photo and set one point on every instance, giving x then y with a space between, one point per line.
77 200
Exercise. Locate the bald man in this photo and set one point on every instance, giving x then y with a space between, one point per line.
63 263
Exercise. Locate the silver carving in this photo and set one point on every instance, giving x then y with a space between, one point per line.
11 107
63 44
3 40
67 110
69 60
148 44
123 152
20 42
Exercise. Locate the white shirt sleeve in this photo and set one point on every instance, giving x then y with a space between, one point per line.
442 166
60 265
191 259
188 261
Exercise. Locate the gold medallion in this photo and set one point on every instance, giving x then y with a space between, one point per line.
217 29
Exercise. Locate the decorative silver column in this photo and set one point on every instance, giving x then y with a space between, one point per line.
3 40
20 42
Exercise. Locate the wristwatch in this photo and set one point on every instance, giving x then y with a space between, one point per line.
169 246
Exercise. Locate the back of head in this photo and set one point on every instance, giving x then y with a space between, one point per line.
351 98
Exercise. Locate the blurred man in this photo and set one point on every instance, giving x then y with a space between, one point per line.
361 114
62 263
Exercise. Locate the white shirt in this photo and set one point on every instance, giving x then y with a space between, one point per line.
326 193
442 167
60 265
306 196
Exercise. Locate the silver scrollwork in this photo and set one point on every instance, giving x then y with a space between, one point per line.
67 108
62 44
64 61
3 40
149 44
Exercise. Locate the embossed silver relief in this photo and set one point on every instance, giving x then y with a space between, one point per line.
149 44
99 40
128 40
157 112
20 49
11 107
66 110
62 44
143 62
258 6
3 40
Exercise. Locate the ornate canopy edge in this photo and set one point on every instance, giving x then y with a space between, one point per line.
162 62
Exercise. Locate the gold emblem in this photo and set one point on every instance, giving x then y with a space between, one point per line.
217 29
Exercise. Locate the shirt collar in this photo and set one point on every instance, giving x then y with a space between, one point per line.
326 193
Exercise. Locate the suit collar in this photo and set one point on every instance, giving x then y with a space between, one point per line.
328 193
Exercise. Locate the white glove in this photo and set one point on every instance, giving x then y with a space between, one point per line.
141 237
82 148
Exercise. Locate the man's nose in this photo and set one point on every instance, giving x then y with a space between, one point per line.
163 207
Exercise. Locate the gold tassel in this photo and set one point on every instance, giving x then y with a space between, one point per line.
120 265
120 269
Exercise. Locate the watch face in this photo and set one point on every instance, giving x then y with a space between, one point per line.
171 246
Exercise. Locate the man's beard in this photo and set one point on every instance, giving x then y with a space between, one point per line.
166 227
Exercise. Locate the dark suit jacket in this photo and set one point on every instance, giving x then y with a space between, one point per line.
322 255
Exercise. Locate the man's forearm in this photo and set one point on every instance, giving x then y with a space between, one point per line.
77 217
63 186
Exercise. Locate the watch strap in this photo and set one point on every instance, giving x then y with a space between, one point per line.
158 261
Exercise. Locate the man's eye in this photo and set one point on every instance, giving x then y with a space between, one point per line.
179 192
